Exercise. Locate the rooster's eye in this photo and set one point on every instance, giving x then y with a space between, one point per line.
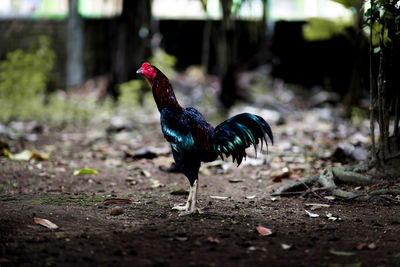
150 69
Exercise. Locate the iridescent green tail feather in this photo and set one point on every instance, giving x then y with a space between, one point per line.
233 136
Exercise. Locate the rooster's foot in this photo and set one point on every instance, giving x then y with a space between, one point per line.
190 212
181 207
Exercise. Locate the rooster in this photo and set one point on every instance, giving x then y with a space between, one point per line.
193 140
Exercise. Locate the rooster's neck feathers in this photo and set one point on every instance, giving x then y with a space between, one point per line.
164 94
162 89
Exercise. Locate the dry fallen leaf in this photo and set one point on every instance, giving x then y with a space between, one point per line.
263 231
213 240
24 155
362 246
342 253
312 215
372 246
219 197
286 246
279 174
156 183
45 223
333 218
39 156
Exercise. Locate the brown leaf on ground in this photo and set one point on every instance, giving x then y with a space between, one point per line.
362 246
263 231
39 156
45 223
213 240
342 253
278 175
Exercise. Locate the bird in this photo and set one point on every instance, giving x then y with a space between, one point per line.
193 140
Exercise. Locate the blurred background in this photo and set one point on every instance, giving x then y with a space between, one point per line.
79 125
54 54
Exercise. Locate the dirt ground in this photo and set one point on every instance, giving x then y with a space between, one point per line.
132 158
235 202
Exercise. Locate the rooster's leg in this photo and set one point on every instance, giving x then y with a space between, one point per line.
192 200
187 205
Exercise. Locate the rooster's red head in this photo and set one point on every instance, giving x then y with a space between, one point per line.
148 71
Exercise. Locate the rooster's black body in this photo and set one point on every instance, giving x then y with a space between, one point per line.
193 140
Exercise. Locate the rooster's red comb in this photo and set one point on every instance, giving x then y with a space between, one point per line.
148 71
145 65
143 68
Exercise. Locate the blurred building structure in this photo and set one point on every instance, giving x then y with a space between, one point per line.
21 21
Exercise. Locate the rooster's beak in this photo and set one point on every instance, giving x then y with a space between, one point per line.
139 71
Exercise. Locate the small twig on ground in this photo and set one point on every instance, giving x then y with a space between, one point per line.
390 199
309 190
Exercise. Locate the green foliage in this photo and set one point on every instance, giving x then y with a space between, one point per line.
378 34
132 97
372 12
319 29
23 80
24 76
165 62
383 15
347 3
130 93
61 108
85 171
358 115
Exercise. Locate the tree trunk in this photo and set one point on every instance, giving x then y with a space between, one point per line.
75 74
205 53
132 43
226 56
386 98
356 86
